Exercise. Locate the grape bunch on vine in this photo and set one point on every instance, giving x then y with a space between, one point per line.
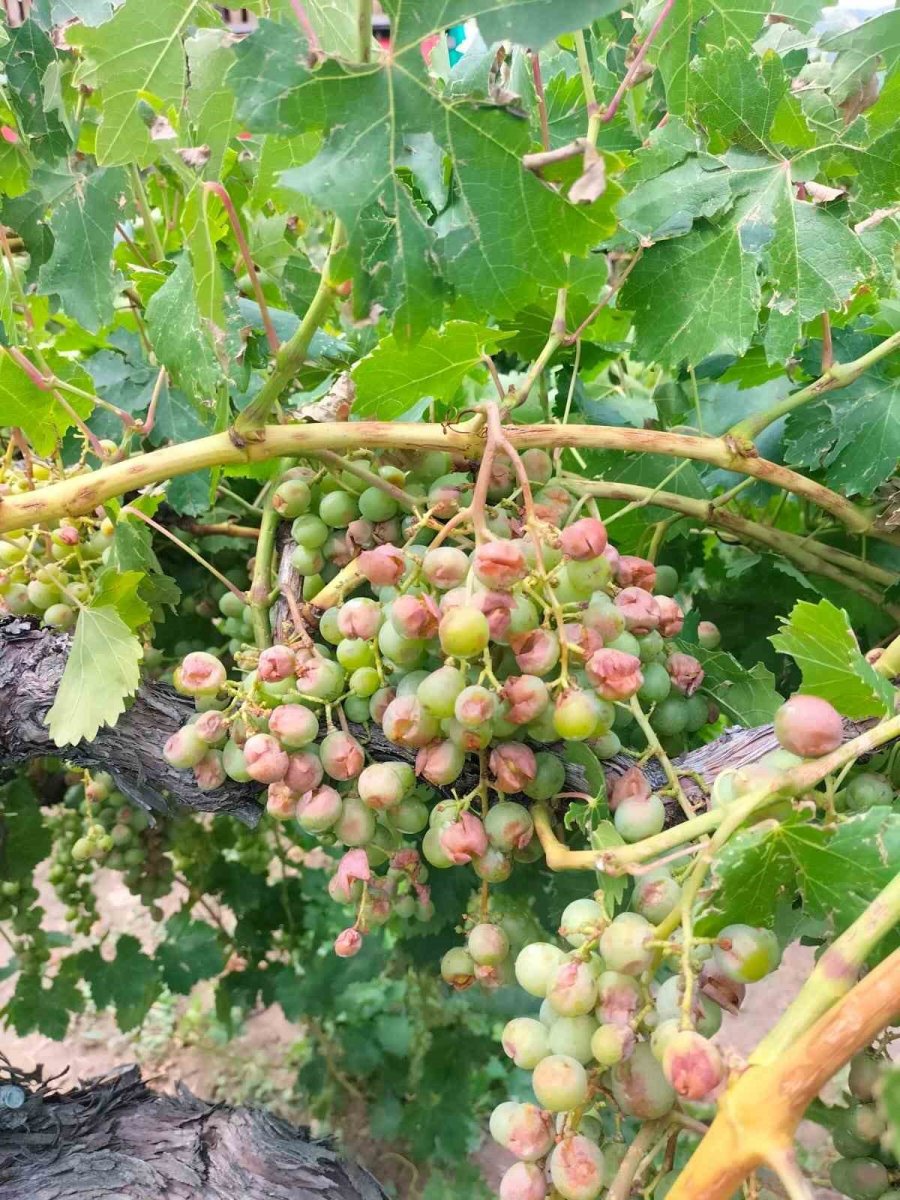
449 569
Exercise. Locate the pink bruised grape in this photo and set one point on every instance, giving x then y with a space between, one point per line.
509 826
623 944
523 1181
318 810
639 1086
639 817
560 1083
185 748
692 1065
610 1044
458 968
201 674
526 1042
488 944
746 955
265 760
573 989
808 726
341 755
577 1168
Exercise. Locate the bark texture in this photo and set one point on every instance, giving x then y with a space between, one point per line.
32 662
112 1138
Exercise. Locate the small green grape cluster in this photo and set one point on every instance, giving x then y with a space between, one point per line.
866 1168
48 572
615 1032
476 662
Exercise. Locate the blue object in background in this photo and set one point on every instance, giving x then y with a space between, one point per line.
456 35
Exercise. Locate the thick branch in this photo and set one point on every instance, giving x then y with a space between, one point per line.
759 1113
83 493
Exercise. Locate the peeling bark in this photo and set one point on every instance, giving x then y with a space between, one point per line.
112 1138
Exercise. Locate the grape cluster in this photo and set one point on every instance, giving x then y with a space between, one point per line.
865 1170
490 632
48 572
615 1030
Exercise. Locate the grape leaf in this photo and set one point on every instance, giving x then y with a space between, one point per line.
837 873
367 113
205 224
737 94
877 40
667 205
35 411
80 270
746 697
88 12
137 54
712 295
129 983
333 20
121 590
189 953
854 434
180 338
101 673
531 23
393 377
24 59
210 104
44 1005
822 643
24 838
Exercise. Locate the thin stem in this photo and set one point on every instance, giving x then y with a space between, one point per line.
223 529
364 31
189 550
834 974
587 84
552 344
612 289
784 1163
827 344
620 1188
660 755
292 353
838 375
261 583
239 500
219 190
888 664
150 231
338 463
633 71
541 98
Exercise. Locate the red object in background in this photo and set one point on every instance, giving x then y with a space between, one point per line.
8 134
428 45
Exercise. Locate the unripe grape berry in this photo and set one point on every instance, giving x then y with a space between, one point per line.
360 618
383 566
410 815
445 567
356 824
513 766
657 683
474 706
577 1168
808 726
560 1083
60 616
276 663
745 954
464 839
576 715
407 722
234 763
639 1086
440 763
184 748
341 755
509 826
610 1044
201 674
319 810
380 786
348 943
523 1180
549 779
488 944
581 921
615 674
639 817
294 725
212 727
571 1036
338 509
265 760
536 651
458 968
670 716
305 771
623 944
526 1042
377 505
863 791
464 632
573 989
865 1074
655 895
860 1178
493 866
536 965
618 998
865 1122
666 580
692 1065
708 635
439 690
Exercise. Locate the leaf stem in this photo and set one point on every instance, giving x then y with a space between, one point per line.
150 230
364 31
587 83
292 353
633 71
220 190
189 550
541 98
369 478
620 1188
838 375
660 755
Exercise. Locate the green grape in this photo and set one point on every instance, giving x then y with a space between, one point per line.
670 716
377 505
560 1083
627 643
307 561
860 1178
862 792
657 683
697 712
60 616
338 508
291 498
364 682
356 707
310 531
666 580
353 653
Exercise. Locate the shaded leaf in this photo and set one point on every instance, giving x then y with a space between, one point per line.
189 953
180 339
35 411
129 983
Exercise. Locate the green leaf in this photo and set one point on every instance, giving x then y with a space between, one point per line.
80 270
838 873
102 672
180 338
497 244
210 104
205 224
667 205
712 297
87 12
531 23
120 590
393 377
877 40
24 59
138 54
189 953
130 983
334 22
35 411
737 94
746 697
820 640
854 434
44 1006
24 838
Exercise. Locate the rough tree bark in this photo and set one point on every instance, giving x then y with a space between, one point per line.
112 1138
31 665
